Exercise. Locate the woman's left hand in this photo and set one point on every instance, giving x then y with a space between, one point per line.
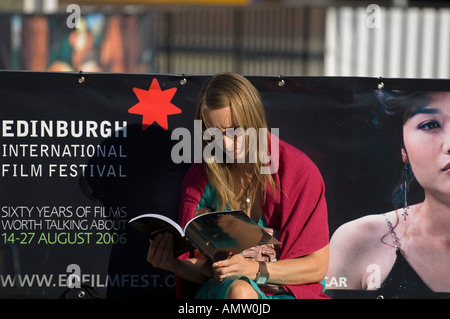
236 265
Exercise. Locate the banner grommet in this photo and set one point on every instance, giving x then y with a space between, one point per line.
183 80
380 84
81 78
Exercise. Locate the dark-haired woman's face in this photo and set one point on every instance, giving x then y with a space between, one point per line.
426 137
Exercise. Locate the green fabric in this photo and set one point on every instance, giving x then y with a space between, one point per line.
209 199
214 289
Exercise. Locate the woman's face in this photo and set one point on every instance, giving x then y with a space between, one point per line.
426 137
233 139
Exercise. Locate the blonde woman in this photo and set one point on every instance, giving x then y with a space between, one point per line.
290 200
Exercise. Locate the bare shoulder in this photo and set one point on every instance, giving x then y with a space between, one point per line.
360 232
353 246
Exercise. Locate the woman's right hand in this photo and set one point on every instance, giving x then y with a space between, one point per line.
160 253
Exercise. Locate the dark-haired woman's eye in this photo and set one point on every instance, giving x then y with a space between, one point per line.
429 125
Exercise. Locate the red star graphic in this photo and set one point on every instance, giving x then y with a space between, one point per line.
154 105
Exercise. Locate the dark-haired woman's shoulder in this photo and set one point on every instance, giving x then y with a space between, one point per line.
362 231
358 244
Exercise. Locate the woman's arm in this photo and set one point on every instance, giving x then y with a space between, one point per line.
160 254
311 268
308 269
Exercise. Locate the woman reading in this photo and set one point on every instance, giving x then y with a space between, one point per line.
289 200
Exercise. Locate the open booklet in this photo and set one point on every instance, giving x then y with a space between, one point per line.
218 235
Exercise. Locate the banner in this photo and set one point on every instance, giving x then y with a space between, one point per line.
82 154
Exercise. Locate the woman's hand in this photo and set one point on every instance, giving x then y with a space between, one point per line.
308 269
236 265
160 254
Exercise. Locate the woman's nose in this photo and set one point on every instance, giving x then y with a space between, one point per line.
447 148
228 142
446 143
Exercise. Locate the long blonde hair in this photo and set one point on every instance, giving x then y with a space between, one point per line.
235 91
